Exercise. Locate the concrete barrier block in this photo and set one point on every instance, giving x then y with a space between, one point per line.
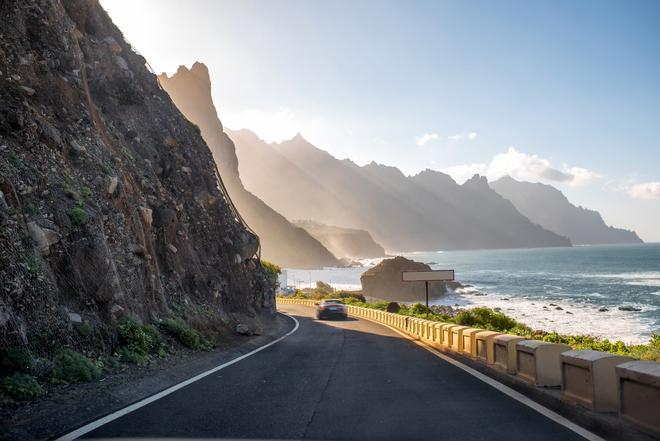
504 351
539 362
457 338
447 335
589 379
639 391
437 334
485 346
469 342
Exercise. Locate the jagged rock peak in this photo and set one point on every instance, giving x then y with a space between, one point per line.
477 181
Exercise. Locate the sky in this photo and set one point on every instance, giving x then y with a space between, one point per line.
561 92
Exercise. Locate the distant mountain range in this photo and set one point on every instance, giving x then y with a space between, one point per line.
549 208
428 211
281 241
356 210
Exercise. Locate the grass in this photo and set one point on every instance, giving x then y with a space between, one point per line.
126 152
87 193
487 318
185 334
78 216
73 367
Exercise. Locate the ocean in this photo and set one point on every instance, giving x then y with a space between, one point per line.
576 290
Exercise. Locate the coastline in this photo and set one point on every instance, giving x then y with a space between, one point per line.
563 290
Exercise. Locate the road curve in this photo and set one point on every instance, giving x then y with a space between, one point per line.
339 380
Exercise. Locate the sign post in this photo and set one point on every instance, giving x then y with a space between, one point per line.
426 277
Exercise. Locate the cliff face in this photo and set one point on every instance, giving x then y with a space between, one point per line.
343 242
548 207
428 211
110 202
282 242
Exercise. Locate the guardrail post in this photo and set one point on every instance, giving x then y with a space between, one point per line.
589 379
504 346
539 362
469 342
639 389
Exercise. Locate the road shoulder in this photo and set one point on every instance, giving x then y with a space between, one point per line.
76 405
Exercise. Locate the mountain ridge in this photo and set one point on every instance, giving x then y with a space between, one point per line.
281 241
549 207
401 212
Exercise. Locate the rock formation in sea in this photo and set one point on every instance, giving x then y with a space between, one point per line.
343 242
384 282
282 242
110 202
548 207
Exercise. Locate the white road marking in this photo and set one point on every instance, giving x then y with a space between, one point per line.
128 409
501 387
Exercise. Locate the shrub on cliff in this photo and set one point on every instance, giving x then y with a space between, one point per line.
73 367
20 387
15 360
273 271
185 334
137 341
140 339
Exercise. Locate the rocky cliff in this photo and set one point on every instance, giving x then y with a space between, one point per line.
282 242
343 242
548 207
110 201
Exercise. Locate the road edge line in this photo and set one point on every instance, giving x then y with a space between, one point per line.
550 414
132 407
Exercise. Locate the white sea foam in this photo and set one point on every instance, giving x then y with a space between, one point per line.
584 318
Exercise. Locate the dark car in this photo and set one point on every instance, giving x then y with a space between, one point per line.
330 308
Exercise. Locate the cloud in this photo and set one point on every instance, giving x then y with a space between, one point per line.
524 167
426 137
647 190
461 136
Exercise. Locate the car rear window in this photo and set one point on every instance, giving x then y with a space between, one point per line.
337 302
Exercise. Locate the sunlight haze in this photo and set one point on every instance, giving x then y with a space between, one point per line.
562 94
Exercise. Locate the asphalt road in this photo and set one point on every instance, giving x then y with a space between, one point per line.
340 380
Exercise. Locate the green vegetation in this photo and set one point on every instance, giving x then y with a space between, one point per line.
32 263
14 360
185 334
20 387
77 215
138 341
15 161
126 152
650 351
272 270
487 318
73 367
87 193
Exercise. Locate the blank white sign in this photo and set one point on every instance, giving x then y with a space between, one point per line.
437 275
